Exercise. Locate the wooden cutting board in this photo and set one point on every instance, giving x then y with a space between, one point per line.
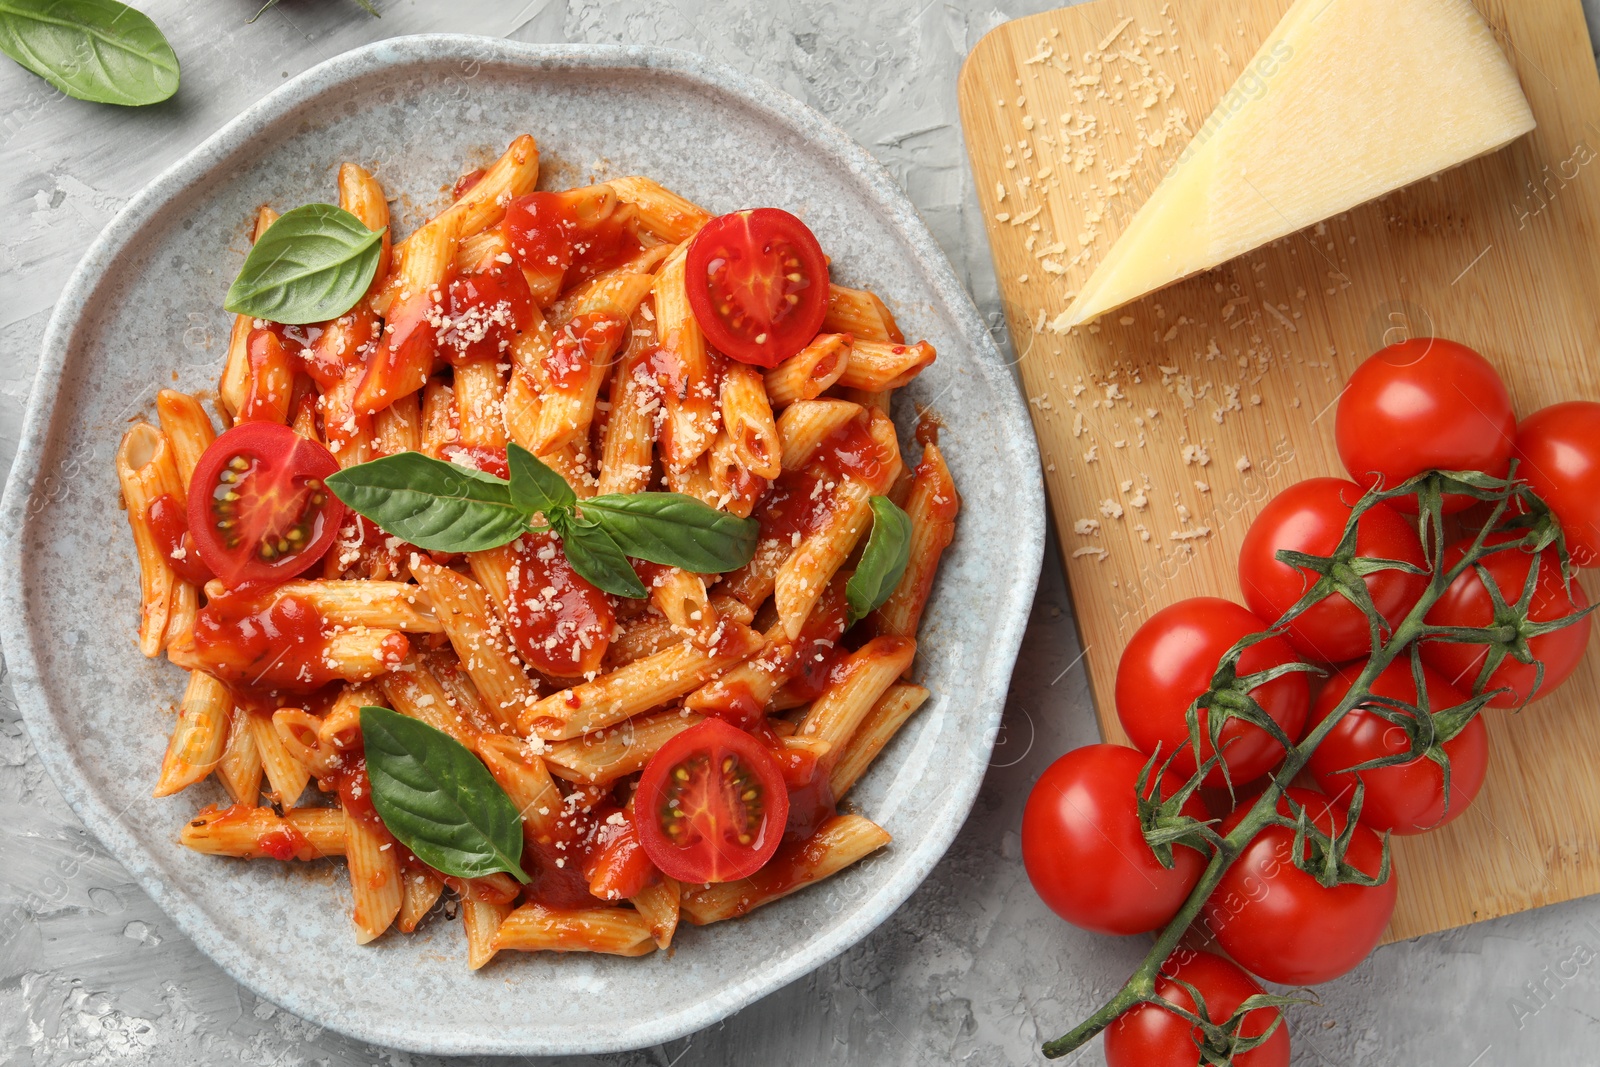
1165 428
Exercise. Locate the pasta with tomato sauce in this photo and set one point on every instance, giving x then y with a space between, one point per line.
674 621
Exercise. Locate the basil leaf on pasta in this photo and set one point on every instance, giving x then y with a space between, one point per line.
882 562
534 486
675 530
438 799
96 50
598 559
314 263
432 504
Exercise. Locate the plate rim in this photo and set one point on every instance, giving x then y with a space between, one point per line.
1025 550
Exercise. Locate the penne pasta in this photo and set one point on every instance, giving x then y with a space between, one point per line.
420 891
249 832
748 422
688 386
805 424
657 905
802 577
188 430
484 204
462 607
868 674
643 684
147 470
898 703
480 388
526 780
239 769
198 736
482 920
536 928
661 212
932 506
236 369
878 366
375 886
838 843
287 775
602 757
810 372
861 314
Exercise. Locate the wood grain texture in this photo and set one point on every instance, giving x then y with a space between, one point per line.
1167 425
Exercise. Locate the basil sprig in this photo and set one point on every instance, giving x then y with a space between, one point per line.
883 562
95 50
438 799
445 508
313 264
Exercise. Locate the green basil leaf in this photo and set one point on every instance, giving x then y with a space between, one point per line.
595 556
534 486
311 265
430 503
675 530
95 50
882 562
438 799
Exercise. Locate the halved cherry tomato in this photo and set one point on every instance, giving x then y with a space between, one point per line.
1407 798
1085 852
1279 922
1150 1036
560 624
1310 517
758 285
711 805
1468 603
1171 660
258 510
1420 405
1559 453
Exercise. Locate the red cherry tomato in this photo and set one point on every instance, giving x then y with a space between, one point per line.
1085 853
1278 922
258 510
1407 798
1150 1036
1420 405
560 624
1310 517
1171 659
711 805
1467 603
758 285
1559 453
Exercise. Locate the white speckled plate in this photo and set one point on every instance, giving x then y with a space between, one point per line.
144 310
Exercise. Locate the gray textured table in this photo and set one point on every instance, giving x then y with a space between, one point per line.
973 969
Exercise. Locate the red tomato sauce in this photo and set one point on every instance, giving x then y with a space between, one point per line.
589 339
486 458
560 624
169 521
482 312
260 645
851 451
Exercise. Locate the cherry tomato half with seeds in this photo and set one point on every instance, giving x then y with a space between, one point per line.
1085 852
1420 405
1310 517
1150 1036
1170 661
1279 922
1407 798
1467 603
1558 449
258 509
711 805
758 285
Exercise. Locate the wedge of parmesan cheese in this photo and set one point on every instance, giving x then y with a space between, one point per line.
1347 100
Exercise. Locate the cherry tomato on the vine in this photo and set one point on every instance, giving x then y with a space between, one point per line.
1151 1036
1085 851
1420 405
1171 660
1310 517
1468 603
1558 449
1279 922
758 285
1407 798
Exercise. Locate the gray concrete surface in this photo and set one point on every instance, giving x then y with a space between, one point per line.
972 970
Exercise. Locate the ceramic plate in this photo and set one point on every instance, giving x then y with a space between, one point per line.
147 302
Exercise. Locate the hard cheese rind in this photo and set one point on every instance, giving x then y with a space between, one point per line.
1347 100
